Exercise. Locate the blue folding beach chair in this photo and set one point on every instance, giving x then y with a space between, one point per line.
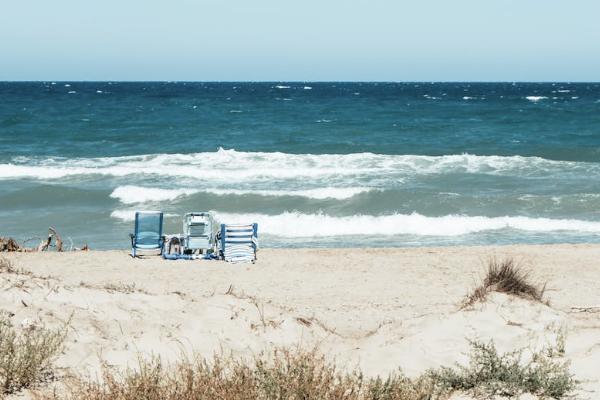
239 243
148 232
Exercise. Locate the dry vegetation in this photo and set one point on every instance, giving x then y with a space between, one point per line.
286 375
7 266
26 356
506 276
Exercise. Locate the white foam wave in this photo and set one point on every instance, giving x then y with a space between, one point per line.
225 167
123 215
318 193
129 215
282 87
536 98
137 194
130 194
294 224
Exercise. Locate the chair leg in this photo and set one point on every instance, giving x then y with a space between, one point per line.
133 252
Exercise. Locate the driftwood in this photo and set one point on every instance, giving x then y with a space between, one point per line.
9 244
84 248
43 246
52 234
585 308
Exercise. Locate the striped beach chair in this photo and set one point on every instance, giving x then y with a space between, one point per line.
239 242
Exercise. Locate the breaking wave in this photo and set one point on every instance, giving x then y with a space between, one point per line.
227 166
137 194
299 225
536 98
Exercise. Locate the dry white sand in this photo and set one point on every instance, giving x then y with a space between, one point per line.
377 309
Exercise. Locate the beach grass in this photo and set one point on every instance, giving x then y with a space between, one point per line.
6 265
295 375
506 276
26 355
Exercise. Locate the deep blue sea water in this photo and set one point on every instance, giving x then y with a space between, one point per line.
315 164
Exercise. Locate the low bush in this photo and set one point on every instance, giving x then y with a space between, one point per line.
26 356
286 375
490 373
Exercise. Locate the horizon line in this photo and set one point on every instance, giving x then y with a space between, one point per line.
288 81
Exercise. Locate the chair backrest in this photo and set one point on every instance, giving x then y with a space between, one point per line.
148 227
239 242
199 229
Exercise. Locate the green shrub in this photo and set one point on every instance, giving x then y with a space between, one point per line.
490 373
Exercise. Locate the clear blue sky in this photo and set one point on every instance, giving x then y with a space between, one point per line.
279 40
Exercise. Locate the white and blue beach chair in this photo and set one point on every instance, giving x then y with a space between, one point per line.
239 243
148 232
200 232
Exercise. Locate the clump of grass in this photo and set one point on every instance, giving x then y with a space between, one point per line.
126 288
490 374
284 375
6 265
506 276
297 375
26 357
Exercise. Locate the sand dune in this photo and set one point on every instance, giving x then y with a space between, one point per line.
374 309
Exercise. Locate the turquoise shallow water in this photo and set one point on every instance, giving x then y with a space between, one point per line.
316 164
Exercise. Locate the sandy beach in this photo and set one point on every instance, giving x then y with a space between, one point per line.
376 309
420 182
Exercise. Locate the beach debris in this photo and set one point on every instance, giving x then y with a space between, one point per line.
303 321
590 309
230 290
8 244
52 234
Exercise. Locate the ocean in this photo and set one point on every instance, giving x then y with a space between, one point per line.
315 164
